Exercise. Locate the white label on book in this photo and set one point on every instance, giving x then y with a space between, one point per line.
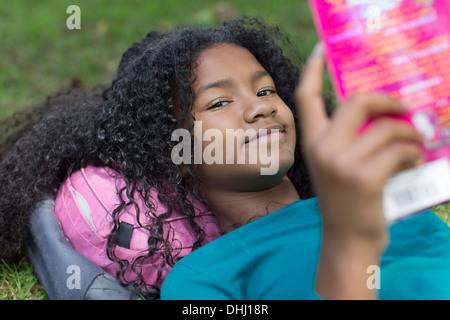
416 189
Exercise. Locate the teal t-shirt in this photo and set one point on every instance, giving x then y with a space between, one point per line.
276 257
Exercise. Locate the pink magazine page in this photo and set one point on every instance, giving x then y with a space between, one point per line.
397 47
402 48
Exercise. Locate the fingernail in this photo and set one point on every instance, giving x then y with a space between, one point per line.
317 50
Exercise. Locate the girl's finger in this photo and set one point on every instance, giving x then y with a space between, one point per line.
360 108
388 161
380 134
308 95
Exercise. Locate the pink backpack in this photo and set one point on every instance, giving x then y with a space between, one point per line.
84 204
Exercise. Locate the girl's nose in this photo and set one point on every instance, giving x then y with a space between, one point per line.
258 108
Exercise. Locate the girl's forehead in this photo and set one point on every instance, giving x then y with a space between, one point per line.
225 53
225 61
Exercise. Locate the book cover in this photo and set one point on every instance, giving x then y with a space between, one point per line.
401 48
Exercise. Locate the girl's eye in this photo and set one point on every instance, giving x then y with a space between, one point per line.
218 104
265 92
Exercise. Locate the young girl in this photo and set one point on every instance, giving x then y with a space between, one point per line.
233 77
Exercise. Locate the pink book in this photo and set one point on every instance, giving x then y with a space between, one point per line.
402 48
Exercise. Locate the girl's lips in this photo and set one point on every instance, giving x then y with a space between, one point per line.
270 136
266 134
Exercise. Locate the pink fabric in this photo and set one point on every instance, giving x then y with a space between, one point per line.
95 189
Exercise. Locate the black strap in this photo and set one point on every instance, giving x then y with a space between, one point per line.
124 235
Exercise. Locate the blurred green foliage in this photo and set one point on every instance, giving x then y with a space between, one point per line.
39 55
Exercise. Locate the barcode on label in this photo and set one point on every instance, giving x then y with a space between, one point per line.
415 193
417 189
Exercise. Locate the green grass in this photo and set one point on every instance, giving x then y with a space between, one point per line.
40 56
18 282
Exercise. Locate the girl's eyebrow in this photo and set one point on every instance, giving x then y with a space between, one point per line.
225 83
228 83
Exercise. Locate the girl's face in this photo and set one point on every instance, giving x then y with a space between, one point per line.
234 93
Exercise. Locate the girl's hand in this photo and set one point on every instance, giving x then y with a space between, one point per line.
350 169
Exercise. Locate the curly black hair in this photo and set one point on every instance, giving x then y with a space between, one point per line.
127 127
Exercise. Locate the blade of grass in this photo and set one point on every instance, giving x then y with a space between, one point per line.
19 282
